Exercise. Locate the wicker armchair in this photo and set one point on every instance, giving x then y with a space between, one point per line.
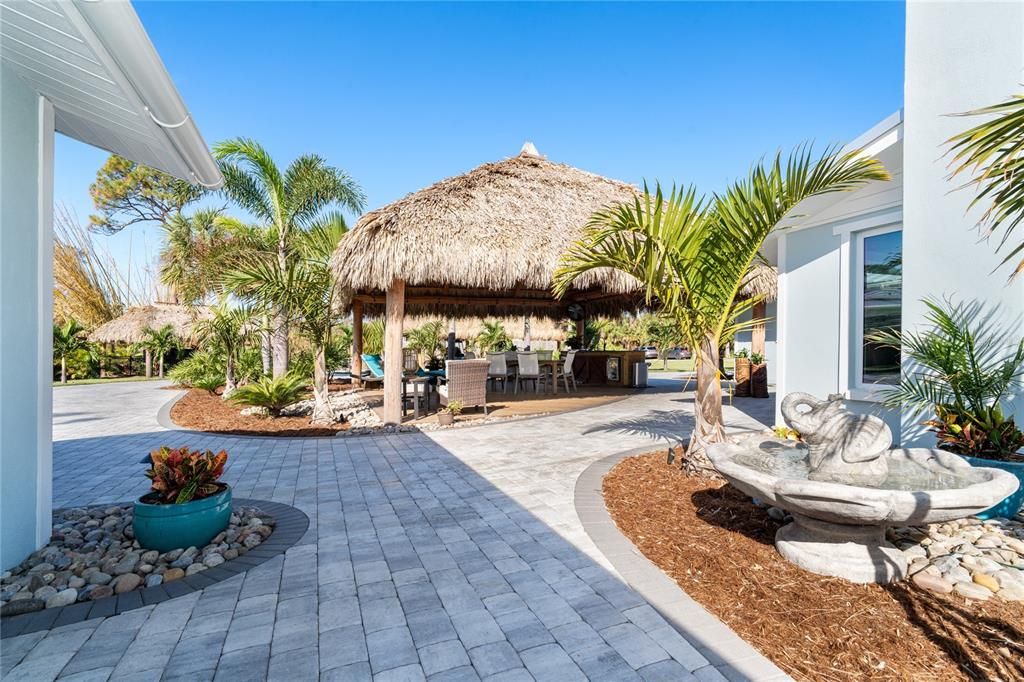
467 382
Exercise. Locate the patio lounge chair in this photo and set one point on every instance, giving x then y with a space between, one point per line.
374 369
499 370
467 382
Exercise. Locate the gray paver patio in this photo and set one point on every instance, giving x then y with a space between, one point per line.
450 555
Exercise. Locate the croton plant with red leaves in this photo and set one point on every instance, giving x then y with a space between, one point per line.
180 475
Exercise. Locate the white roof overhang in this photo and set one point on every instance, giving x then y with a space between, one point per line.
94 62
884 141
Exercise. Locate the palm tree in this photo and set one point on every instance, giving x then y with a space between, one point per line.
68 339
993 153
427 339
286 203
305 287
493 337
194 251
229 329
691 254
159 342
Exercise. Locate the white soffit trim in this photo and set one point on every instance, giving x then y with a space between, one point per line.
109 88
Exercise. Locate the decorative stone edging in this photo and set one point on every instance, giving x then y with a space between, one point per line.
292 524
727 652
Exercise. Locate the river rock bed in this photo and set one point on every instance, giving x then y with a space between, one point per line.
93 554
970 558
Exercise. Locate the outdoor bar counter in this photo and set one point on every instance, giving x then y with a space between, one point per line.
606 367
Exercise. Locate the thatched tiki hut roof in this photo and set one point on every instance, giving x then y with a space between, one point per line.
128 327
762 280
484 243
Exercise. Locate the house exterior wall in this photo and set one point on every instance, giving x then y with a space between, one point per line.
26 128
959 56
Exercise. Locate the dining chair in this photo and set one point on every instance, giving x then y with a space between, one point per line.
528 370
499 370
564 371
543 355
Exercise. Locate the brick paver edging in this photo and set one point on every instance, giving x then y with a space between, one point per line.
291 525
732 656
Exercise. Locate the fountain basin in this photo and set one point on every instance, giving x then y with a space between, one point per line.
839 529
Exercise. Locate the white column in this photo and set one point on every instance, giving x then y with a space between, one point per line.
44 303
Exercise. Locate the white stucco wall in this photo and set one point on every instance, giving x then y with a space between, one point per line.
959 56
26 285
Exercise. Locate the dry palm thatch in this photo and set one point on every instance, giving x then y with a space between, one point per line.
486 242
541 329
762 280
129 327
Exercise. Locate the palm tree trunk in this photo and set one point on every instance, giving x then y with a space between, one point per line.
265 352
149 363
279 343
322 413
161 365
229 376
707 408
63 369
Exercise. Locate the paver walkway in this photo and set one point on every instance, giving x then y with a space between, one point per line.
455 555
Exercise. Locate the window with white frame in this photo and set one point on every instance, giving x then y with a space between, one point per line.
878 296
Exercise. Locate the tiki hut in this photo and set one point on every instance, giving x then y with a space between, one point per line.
763 281
485 243
128 328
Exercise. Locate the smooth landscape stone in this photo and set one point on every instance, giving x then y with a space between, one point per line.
99 578
194 568
16 607
986 581
127 582
1011 593
100 591
45 592
958 574
154 579
173 574
213 560
932 583
62 598
973 591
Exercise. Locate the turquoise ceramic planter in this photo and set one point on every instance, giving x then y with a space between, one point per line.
164 527
1009 507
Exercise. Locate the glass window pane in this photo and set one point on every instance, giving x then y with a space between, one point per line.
883 292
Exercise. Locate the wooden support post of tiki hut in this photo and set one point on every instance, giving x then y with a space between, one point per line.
757 333
394 315
581 328
357 343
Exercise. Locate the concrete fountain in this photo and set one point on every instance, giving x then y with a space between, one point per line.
844 485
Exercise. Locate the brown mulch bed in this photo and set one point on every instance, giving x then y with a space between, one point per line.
717 545
202 411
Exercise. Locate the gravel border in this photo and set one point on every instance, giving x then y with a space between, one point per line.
727 652
291 525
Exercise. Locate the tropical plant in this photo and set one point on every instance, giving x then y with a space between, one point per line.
68 339
308 289
373 337
756 358
743 353
993 154
692 255
287 203
962 367
159 342
126 193
428 339
181 475
209 383
194 252
454 407
493 337
228 329
273 393
198 368
87 285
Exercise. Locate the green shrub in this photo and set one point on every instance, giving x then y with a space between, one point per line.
273 394
199 368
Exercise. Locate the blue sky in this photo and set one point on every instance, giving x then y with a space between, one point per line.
401 95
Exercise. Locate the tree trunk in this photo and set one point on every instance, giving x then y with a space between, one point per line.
356 363
229 377
161 365
265 352
707 409
63 369
279 343
394 315
322 412
149 363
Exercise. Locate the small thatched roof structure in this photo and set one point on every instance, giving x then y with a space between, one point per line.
763 280
486 243
128 327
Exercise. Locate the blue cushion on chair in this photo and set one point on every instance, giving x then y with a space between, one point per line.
372 363
420 372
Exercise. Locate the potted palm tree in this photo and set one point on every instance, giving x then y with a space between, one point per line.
741 372
758 376
187 504
963 370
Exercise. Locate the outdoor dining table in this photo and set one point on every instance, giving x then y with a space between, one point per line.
546 367
427 383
